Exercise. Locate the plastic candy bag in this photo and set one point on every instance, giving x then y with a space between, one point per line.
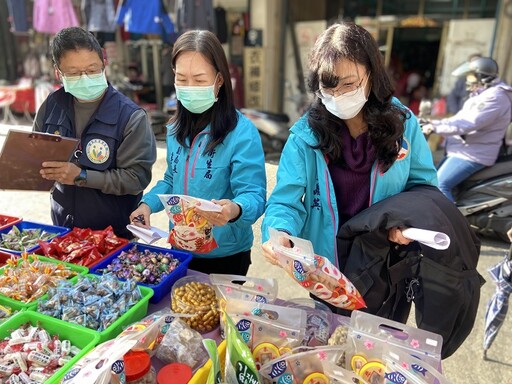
190 231
240 367
315 273
309 366
214 376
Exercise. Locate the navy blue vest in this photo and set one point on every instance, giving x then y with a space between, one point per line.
87 207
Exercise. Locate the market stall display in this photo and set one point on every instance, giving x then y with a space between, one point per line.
24 236
153 267
83 246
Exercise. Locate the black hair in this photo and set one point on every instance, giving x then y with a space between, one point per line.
385 120
73 39
222 116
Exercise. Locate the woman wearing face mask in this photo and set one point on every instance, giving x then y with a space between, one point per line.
355 146
213 152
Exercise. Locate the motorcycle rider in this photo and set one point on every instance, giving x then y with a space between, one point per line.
475 134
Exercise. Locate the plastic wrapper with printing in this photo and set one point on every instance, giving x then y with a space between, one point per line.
181 344
104 364
315 273
190 230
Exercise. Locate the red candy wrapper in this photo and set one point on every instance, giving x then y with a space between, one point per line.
83 246
315 273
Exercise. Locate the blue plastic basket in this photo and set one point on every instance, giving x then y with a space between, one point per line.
59 231
167 282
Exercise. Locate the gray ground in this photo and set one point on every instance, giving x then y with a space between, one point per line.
465 366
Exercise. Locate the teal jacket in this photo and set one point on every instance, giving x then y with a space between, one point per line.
303 202
235 171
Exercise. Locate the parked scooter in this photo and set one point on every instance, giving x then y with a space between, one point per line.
485 198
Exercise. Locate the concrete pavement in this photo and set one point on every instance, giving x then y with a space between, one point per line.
466 366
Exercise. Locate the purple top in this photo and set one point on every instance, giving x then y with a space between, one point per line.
352 184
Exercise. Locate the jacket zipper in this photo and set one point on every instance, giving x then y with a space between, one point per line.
372 183
336 263
188 159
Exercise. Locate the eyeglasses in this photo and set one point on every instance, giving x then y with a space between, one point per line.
91 73
344 89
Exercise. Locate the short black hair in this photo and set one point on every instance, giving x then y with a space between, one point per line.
73 39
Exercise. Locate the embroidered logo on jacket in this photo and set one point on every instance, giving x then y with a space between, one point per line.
97 151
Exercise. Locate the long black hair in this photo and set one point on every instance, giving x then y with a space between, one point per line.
222 116
385 120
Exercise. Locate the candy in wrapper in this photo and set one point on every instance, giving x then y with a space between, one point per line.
190 231
315 273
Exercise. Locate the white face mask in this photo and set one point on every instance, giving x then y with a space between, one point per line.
345 106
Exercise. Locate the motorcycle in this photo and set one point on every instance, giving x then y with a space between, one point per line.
485 198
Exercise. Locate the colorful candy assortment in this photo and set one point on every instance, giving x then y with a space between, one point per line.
31 355
31 278
145 267
94 303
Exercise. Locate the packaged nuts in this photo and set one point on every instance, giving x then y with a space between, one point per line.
195 296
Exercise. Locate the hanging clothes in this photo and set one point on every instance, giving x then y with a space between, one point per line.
18 15
99 15
50 16
195 14
147 17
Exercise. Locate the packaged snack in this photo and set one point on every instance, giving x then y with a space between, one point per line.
369 335
315 273
181 344
268 330
240 367
401 367
309 366
242 288
214 376
318 323
190 231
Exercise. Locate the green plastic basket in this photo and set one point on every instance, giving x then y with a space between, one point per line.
83 338
22 305
135 313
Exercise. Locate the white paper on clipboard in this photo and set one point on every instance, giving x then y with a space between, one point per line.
24 152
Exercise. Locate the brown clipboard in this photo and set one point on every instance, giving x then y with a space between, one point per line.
24 152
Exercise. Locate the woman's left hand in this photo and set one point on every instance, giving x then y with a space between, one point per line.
395 235
230 210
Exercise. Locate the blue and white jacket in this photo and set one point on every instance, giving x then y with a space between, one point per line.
234 171
303 202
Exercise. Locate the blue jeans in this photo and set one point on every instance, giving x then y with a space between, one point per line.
452 171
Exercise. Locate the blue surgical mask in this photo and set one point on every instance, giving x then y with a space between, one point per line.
86 87
196 99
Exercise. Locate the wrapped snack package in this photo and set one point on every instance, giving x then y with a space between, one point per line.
315 273
181 344
240 366
214 376
310 366
229 287
370 335
190 231
268 330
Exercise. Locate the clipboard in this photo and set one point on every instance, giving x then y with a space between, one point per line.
24 152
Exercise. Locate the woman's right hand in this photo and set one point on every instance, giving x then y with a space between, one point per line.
140 217
268 250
